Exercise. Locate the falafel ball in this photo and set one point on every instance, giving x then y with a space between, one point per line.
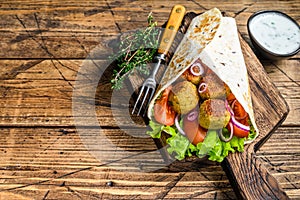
212 87
190 77
213 114
183 97
195 72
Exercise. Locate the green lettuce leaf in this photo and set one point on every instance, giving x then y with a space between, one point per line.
179 145
222 149
156 129
238 143
207 145
227 148
170 130
216 154
212 146
191 150
252 133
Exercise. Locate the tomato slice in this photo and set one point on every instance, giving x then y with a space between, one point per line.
237 131
240 116
163 113
230 98
239 112
194 132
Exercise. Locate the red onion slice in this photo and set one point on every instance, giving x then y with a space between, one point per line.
229 108
178 126
240 125
222 137
202 87
197 69
192 115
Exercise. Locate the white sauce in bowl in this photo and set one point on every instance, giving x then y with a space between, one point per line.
275 32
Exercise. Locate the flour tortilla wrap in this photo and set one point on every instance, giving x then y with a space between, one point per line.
200 33
219 48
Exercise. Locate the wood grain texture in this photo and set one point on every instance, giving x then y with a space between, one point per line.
47 161
42 156
248 173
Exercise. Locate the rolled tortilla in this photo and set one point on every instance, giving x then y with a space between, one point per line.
200 33
224 56
220 50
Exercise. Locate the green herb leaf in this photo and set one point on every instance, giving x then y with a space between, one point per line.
133 54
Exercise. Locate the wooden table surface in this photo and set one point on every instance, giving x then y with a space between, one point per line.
44 43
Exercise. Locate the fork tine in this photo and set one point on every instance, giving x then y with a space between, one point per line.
138 99
174 21
151 95
145 97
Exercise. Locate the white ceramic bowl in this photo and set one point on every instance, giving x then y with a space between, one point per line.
274 34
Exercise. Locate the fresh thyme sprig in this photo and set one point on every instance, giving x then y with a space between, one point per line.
135 51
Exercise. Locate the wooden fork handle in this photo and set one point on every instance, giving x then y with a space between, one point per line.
173 24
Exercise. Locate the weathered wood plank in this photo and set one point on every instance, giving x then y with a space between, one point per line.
36 79
41 90
73 30
47 161
34 109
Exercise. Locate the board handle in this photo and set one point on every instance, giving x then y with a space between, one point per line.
251 179
174 22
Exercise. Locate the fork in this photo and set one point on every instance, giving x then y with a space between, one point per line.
149 86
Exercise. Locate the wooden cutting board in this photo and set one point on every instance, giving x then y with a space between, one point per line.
247 173
249 177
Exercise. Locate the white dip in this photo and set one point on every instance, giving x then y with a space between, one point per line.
275 32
